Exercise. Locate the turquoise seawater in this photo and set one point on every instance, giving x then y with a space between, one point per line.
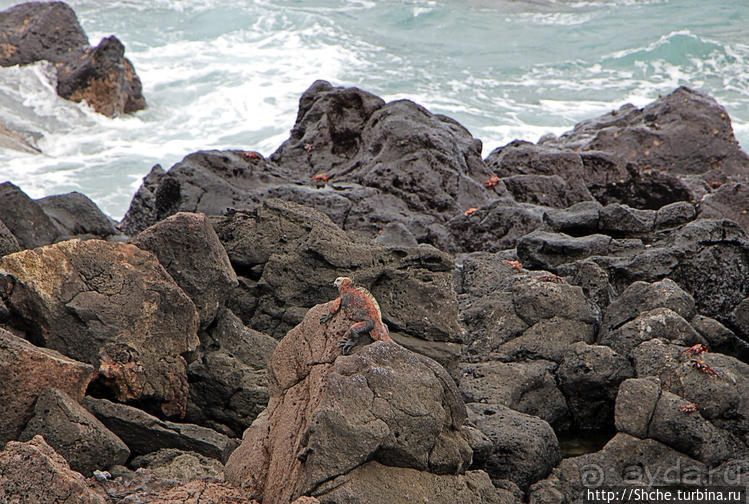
229 74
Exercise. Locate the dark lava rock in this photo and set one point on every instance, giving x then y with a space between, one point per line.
24 218
645 158
188 247
36 31
396 234
641 297
327 132
143 433
519 327
527 387
548 190
207 182
364 163
228 379
111 305
75 214
496 226
8 242
625 460
524 448
299 252
662 416
685 132
100 75
589 377
74 433
720 394
730 201
104 78
708 258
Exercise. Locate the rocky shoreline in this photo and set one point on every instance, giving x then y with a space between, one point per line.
568 314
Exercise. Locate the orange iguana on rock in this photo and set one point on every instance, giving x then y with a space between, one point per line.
360 305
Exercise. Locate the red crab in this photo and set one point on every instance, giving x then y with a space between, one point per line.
515 264
551 278
250 155
492 181
693 350
470 211
701 365
690 408
321 177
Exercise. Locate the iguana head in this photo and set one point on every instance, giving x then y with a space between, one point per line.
342 281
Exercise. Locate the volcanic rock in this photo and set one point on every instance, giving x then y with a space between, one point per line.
524 447
360 418
75 214
74 433
111 305
144 433
50 31
26 371
24 218
8 242
300 252
187 246
228 380
34 472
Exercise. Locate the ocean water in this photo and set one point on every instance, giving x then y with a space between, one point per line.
220 75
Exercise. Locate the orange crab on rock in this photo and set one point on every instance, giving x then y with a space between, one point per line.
321 177
492 181
701 365
693 350
690 408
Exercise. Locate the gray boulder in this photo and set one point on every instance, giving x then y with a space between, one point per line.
188 247
143 433
524 448
74 433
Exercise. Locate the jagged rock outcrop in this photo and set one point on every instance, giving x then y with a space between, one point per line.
111 305
382 412
382 163
292 254
75 214
24 218
520 327
228 379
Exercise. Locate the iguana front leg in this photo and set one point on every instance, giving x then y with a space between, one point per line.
334 308
351 336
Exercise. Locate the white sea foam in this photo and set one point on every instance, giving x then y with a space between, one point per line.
220 75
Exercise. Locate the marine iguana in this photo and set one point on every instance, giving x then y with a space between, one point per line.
361 306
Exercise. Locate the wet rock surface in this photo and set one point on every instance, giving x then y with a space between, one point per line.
50 31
